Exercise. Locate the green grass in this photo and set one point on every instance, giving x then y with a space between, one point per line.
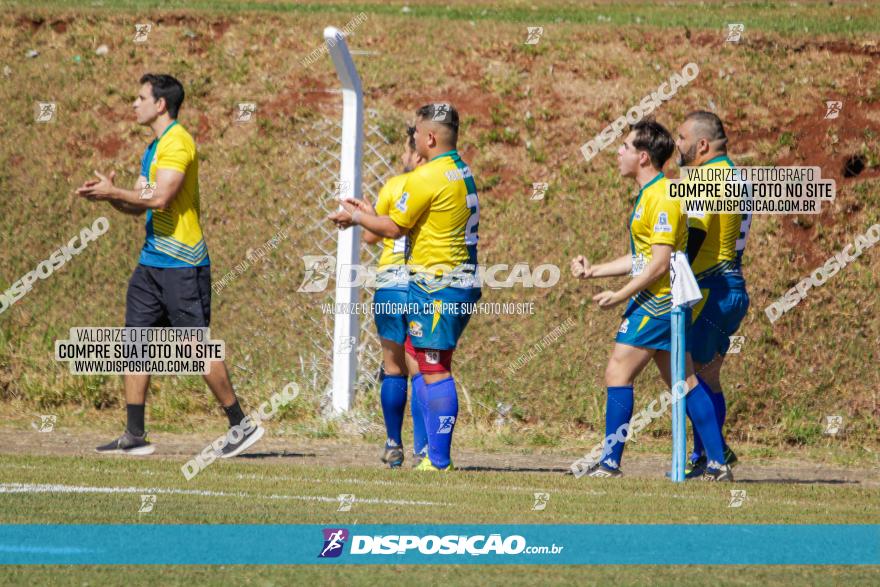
272 493
509 575
474 496
780 17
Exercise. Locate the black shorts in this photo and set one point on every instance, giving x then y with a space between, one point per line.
169 296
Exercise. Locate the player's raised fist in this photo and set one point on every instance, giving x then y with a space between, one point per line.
580 267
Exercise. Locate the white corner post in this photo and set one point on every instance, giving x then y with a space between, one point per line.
346 325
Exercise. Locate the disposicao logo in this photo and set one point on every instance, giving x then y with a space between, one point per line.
334 540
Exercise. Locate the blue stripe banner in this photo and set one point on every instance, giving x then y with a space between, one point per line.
441 544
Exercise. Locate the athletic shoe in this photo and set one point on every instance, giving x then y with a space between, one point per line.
722 473
427 465
729 457
695 467
127 444
602 471
235 449
393 455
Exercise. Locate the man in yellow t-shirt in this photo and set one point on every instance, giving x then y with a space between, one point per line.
171 286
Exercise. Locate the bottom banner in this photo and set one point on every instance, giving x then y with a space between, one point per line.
647 544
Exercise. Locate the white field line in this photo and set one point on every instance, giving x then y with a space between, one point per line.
55 488
465 484
450 483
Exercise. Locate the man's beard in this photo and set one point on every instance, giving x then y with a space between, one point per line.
685 159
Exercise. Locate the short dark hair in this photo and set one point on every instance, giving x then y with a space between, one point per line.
653 138
167 87
411 137
708 126
441 113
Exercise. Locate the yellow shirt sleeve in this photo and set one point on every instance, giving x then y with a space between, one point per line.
383 202
410 206
175 154
666 221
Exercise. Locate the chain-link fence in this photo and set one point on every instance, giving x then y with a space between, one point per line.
319 147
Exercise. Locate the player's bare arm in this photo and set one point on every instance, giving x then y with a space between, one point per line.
120 206
358 212
656 268
370 237
126 208
168 184
581 268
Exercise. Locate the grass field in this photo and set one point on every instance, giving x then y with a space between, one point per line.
526 110
275 493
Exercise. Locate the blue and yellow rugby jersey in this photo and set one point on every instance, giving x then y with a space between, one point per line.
392 270
174 235
656 220
722 250
440 208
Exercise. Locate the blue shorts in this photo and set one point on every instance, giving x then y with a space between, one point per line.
717 317
391 325
643 329
436 320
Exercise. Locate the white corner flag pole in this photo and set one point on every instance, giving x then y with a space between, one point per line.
346 325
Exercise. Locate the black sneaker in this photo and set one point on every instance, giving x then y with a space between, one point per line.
695 467
729 457
393 455
602 471
234 449
717 473
127 444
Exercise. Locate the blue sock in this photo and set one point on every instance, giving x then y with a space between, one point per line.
393 395
442 412
701 411
720 411
698 442
618 411
420 437
420 394
720 415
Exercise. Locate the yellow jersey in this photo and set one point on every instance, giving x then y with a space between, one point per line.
392 270
174 235
656 220
439 206
722 249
